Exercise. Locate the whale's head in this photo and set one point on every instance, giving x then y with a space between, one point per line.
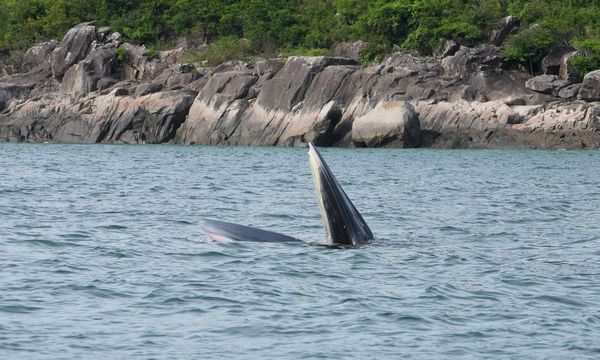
343 223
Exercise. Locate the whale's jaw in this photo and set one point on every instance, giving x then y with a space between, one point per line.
343 223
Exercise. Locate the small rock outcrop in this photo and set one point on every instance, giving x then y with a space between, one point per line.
388 124
38 55
350 50
567 71
547 84
73 48
590 88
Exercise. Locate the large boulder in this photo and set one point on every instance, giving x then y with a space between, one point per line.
38 55
567 71
467 61
218 109
546 84
570 92
73 48
388 124
551 63
590 88
350 50
84 76
138 65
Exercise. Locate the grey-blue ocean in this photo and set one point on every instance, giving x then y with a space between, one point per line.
478 254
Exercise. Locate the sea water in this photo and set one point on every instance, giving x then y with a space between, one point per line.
479 254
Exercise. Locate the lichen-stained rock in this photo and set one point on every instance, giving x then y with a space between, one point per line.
567 71
73 48
590 87
284 111
547 84
10 93
38 55
388 124
84 76
115 117
138 65
467 61
218 109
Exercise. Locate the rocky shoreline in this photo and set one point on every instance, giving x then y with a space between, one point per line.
94 88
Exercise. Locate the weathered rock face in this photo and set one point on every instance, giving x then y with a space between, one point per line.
114 117
470 98
590 88
466 61
388 124
567 71
84 76
547 84
350 50
9 93
73 48
38 55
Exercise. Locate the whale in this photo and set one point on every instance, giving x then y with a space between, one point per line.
344 225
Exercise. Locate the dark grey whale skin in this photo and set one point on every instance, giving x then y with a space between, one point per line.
344 226
224 232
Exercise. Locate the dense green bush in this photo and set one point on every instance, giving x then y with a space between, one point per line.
589 57
301 26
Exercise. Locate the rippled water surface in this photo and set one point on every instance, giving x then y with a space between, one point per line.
479 254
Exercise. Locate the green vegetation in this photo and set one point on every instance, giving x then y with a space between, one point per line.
241 28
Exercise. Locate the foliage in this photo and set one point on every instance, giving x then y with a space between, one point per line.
308 26
373 53
589 59
224 49
302 51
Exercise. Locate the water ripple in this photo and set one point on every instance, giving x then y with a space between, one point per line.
479 254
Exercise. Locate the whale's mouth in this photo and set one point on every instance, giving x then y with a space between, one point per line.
343 223
344 226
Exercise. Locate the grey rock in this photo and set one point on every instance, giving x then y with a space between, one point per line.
138 66
351 50
551 63
105 83
450 48
171 57
547 84
467 61
570 92
80 79
269 66
10 93
232 65
147 88
73 48
84 77
186 68
567 71
590 87
115 38
388 124
38 55
102 33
